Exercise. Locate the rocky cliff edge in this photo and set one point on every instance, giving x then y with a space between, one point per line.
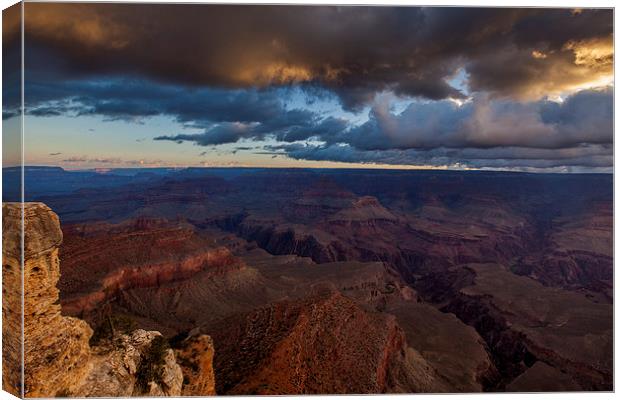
58 359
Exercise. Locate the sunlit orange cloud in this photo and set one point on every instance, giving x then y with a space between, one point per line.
580 65
274 73
77 23
596 53
11 21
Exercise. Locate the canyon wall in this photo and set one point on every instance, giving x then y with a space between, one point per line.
11 299
52 343
58 359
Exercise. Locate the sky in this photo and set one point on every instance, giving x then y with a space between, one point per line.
145 85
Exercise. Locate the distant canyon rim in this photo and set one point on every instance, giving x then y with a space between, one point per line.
347 281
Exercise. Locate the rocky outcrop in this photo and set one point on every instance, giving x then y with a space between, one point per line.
324 344
11 299
132 365
52 343
196 360
58 360
563 329
575 253
286 240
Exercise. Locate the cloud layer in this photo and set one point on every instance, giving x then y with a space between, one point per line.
354 51
225 74
583 118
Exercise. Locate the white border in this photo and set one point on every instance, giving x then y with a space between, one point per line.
479 3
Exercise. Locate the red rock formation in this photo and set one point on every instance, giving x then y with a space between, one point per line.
563 329
326 344
577 253
58 359
101 260
418 229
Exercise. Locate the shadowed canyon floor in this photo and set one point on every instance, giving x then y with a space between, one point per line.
338 281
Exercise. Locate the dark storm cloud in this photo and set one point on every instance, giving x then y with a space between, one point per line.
9 114
129 98
588 111
328 127
589 156
224 115
585 117
11 62
480 134
353 51
300 127
222 133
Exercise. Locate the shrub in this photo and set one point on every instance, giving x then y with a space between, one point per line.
63 393
177 340
113 324
152 364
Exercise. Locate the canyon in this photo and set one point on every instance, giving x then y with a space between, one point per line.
339 281
58 355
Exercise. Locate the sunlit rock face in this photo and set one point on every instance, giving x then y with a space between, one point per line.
58 359
196 360
52 343
325 343
117 369
11 298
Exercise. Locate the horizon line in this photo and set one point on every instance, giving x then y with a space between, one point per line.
412 168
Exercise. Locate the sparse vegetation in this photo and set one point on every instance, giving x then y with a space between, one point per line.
189 364
111 326
390 288
152 364
63 393
177 340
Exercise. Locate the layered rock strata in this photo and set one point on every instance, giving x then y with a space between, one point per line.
58 360
102 261
11 299
52 343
